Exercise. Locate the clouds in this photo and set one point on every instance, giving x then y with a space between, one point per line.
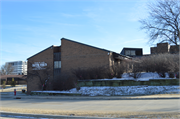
29 27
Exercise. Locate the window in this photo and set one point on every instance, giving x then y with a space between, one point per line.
57 64
19 63
133 52
130 52
127 52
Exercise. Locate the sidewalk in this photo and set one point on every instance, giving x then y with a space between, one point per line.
21 95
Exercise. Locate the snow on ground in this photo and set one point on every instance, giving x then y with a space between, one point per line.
125 90
121 90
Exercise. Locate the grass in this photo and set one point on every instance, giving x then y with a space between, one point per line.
164 115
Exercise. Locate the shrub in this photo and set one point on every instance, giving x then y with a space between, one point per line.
119 70
4 85
96 73
162 74
160 63
80 74
13 83
135 69
156 63
93 73
147 63
109 74
171 74
174 63
177 75
64 82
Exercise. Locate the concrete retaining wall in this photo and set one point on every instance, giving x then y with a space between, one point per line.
151 82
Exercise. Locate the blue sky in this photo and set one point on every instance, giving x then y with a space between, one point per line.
29 26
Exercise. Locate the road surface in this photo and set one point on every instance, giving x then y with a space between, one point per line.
164 105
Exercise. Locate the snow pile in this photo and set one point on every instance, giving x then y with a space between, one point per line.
125 90
121 90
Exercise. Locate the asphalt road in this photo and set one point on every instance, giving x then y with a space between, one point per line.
164 105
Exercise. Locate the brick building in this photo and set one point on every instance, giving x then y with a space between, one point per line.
165 48
69 56
132 52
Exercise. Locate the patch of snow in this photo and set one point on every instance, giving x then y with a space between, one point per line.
121 90
124 90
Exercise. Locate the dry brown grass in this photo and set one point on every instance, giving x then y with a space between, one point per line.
164 115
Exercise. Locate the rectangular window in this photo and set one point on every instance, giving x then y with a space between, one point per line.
57 64
130 52
133 52
127 52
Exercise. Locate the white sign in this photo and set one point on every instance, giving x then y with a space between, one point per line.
39 65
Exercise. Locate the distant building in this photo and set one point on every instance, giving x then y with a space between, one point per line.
20 67
132 52
165 48
19 79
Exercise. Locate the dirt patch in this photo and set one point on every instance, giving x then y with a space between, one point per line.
174 115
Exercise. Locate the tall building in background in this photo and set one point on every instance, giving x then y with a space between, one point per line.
20 67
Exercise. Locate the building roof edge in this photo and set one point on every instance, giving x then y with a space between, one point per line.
93 47
40 52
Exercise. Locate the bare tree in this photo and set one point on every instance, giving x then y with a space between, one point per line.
6 69
135 68
162 24
40 71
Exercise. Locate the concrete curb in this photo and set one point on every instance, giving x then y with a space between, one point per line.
46 116
91 98
71 97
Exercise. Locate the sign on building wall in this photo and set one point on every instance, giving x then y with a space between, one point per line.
39 65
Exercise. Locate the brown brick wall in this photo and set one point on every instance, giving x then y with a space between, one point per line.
57 49
153 50
174 49
75 55
163 47
44 56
